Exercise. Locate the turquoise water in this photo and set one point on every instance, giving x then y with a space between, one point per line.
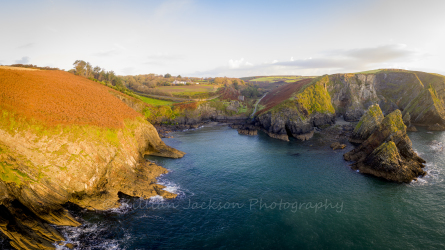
329 206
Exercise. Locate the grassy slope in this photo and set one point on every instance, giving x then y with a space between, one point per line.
188 90
60 98
16 121
156 102
311 96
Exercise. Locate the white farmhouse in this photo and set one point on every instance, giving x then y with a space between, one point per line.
176 82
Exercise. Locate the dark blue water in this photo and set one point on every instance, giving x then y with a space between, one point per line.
324 204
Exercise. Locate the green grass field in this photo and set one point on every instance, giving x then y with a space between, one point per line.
188 88
369 71
192 91
287 79
156 102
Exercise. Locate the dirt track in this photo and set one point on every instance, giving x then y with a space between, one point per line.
58 97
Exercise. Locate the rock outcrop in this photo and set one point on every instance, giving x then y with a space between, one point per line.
247 130
296 117
367 124
388 152
337 145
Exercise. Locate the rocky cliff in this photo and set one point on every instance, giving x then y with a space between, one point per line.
297 116
317 103
417 93
387 152
367 124
71 142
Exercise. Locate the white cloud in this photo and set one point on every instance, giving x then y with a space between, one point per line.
24 60
236 64
334 61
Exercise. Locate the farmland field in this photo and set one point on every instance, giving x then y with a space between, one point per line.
287 79
15 68
189 91
369 71
188 88
156 102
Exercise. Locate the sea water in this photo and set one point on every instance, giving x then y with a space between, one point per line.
255 192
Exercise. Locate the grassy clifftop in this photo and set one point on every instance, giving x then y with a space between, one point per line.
305 97
60 98
64 139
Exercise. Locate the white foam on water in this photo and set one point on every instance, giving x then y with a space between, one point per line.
432 177
418 153
122 209
89 236
156 199
173 188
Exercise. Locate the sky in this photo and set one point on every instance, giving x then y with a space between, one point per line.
233 38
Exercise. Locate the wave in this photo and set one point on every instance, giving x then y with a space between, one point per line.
174 188
93 236
124 208
433 175
436 146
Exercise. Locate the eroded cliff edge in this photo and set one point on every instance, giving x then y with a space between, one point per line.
80 145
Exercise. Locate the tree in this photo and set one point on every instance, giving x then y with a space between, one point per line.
79 66
110 76
235 85
167 75
88 70
96 71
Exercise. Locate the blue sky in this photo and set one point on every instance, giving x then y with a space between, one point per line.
226 38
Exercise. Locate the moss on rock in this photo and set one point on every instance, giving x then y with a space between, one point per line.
388 152
367 124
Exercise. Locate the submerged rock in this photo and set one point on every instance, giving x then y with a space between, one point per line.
247 132
436 127
411 128
388 152
367 124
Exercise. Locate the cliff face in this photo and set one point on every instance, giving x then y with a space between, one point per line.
388 153
417 93
45 164
421 95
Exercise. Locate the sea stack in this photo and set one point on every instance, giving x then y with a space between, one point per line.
367 124
387 153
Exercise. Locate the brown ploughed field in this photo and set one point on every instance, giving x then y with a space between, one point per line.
280 94
57 97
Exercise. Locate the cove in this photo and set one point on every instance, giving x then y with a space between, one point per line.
222 166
